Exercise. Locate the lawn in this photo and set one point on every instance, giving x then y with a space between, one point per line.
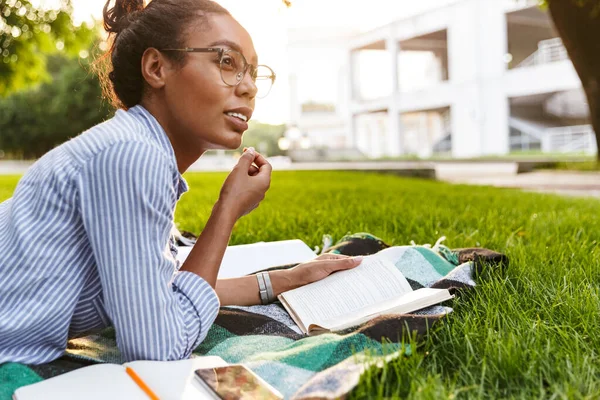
578 166
529 333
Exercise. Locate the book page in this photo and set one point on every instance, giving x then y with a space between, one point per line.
345 292
407 303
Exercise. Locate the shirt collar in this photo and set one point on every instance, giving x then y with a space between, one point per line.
158 133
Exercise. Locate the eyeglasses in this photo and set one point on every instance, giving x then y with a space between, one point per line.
233 66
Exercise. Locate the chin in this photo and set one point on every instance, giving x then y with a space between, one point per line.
235 142
230 145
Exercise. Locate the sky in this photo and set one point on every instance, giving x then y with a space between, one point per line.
268 22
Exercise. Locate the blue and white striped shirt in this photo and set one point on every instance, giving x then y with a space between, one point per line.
85 243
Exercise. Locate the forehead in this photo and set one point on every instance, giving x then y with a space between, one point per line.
223 31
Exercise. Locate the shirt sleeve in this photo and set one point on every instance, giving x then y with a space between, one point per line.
127 204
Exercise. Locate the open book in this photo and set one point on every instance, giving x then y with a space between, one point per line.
166 379
348 298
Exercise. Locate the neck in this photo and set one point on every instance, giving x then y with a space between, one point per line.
185 154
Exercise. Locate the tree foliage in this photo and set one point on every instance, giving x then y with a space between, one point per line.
264 137
34 121
28 34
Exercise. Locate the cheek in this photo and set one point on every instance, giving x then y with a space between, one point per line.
198 89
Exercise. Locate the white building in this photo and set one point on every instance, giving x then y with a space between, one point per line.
474 78
316 59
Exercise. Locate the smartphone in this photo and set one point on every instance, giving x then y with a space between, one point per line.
236 382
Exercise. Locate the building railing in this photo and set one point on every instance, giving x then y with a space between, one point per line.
523 143
570 139
523 3
548 51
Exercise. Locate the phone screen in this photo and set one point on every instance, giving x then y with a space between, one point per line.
237 382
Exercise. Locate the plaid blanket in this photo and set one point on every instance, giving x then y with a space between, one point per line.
266 339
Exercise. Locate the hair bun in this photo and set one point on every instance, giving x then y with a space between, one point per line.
116 18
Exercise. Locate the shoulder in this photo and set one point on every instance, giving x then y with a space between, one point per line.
128 172
110 138
131 158
121 146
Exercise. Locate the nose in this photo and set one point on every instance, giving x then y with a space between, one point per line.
247 87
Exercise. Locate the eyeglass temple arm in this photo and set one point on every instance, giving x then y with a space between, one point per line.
197 49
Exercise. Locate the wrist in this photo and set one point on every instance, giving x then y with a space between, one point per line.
224 214
282 280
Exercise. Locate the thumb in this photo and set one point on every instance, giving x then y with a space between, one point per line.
247 158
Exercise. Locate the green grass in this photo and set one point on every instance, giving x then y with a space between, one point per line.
7 186
532 332
578 166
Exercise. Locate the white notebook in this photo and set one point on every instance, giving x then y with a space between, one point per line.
169 380
246 259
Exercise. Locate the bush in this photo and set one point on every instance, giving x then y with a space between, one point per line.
33 122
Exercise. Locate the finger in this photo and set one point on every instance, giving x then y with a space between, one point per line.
342 264
264 172
330 256
246 160
260 160
253 171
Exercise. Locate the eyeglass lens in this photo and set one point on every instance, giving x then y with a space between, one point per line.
234 67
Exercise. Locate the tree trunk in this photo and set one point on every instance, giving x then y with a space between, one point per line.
579 27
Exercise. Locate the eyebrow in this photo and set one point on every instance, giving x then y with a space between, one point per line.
232 45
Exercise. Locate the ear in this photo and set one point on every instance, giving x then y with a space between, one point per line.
155 67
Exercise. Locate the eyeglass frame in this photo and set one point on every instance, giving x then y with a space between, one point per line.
221 52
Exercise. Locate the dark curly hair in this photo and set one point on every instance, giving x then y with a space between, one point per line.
133 28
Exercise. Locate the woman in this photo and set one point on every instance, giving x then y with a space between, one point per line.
85 239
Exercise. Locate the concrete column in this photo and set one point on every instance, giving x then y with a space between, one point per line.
393 48
477 43
351 96
394 133
295 107
394 147
374 137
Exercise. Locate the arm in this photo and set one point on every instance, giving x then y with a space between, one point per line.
244 291
243 190
127 200
207 254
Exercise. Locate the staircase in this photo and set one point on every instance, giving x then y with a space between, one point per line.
548 51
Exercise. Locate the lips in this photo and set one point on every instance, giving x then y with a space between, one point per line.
236 116
242 112
236 123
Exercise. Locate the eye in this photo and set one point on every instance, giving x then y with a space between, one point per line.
228 63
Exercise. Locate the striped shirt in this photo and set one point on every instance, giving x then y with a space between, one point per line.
85 243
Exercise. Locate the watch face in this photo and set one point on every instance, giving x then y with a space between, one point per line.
237 382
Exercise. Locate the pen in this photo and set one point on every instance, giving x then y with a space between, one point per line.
141 383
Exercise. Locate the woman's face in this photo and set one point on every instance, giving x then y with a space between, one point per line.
199 100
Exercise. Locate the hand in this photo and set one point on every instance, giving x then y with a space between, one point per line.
317 269
247 184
